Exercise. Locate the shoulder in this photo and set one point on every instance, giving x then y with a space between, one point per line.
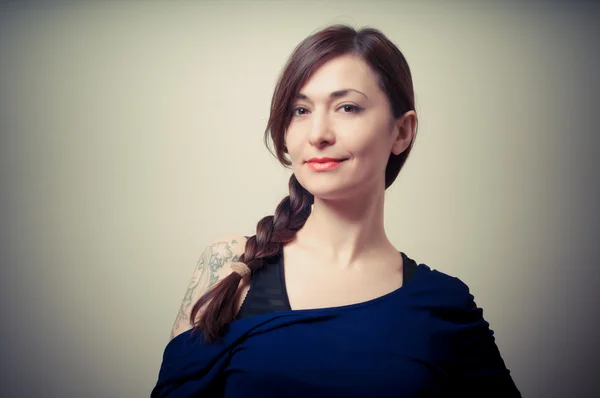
210 269
461 339
443 290
228 245
220 252
451 307
212 264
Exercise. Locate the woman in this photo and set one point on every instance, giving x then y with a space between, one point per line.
319 303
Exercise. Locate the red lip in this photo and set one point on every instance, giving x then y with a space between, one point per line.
323 160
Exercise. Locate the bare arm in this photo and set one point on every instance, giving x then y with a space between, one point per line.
209 270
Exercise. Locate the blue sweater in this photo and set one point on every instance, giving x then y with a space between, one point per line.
425 339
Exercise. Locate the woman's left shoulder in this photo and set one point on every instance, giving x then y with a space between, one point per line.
444 289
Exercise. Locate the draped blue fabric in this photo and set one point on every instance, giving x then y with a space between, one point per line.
425 339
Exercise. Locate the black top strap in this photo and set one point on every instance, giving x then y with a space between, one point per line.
267 288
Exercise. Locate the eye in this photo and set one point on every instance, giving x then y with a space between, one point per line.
294 111
351 108
348 108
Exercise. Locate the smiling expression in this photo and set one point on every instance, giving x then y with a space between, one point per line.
341 113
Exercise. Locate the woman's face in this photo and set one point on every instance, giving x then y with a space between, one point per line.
341 113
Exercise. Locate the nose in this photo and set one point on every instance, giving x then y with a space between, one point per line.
321 133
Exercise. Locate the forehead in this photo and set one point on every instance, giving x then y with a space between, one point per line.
346 71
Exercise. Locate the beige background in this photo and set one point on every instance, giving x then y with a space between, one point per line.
132 137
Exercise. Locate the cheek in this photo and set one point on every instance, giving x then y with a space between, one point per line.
293 154
372 156
293 148
368 147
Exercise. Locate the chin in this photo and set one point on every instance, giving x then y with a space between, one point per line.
329 190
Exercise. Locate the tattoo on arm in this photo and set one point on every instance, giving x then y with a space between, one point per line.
206 274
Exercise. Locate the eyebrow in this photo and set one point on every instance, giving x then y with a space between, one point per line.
335 94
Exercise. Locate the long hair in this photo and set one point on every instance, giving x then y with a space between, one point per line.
272 232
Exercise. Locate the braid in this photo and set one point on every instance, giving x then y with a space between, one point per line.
272 232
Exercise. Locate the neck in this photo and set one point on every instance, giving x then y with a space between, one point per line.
345 231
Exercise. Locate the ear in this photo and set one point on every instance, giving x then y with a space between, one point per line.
404 132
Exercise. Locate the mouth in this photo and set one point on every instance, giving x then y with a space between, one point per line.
325 160
324 164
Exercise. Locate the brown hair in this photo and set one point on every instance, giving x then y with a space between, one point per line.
394 78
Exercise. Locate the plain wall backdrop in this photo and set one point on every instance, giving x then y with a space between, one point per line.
131 137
